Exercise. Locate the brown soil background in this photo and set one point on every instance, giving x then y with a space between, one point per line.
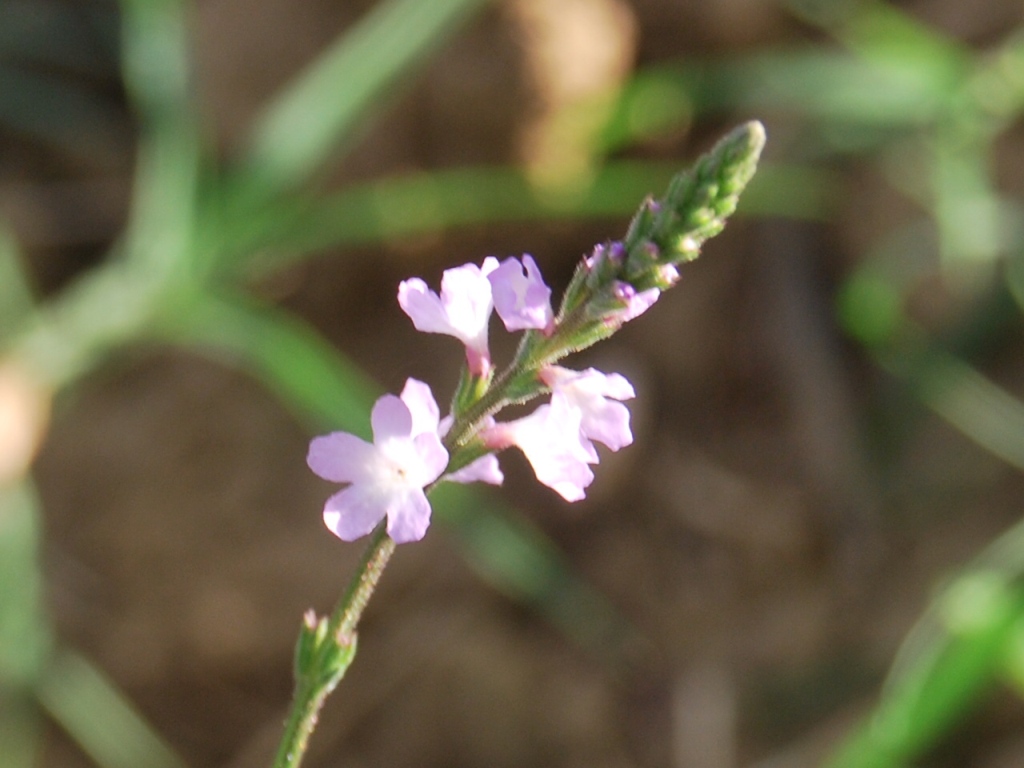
767 543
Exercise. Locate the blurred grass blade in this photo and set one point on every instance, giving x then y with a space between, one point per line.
519 561
397 208
157 75
953 654
72 333
970 216
288 356
100 717
831 86
312 379
20 726
945 680
315 116
998 79
24 634
653 102
985 413
982 411
16 299
882 33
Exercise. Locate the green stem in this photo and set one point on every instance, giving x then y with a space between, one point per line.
491 401
521 371
301 721
696 205
334 651
350 608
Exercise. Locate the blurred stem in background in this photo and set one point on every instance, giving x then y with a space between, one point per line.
969 639
925 110
24 633
156 285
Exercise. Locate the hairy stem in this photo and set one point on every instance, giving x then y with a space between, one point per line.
333 646
663 233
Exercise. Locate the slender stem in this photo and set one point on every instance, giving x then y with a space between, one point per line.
694 208
350 607
334 653
493 399
302 719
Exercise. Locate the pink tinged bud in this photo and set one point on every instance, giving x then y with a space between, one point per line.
462 310
386 478
550 438
613 252
522 299
634 304
667 276
595 395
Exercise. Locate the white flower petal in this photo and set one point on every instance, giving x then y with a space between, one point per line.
354 512
341 457
423 307
409 516
420 400
523 301
391 419
484 470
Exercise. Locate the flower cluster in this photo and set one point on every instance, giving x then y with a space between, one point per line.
469 293
411 449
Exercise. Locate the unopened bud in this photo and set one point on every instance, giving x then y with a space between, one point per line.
688 248
605 264
632 303
666 276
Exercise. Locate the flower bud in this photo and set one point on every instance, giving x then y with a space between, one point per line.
605 264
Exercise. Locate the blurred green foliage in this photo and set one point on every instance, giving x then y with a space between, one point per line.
925 110
171 278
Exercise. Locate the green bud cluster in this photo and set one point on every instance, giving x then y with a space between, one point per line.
620 279
663 233
321 657
695 206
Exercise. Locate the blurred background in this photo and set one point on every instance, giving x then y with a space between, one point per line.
205 210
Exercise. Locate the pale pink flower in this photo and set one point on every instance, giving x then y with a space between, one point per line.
483 470
386 478
523 301
550 439
595 395
462 310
